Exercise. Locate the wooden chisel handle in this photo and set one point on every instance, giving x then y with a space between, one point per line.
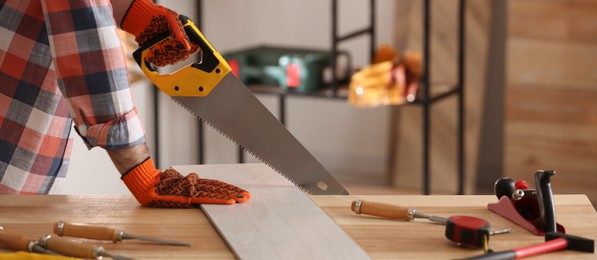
86 231
15 240
381 210
68 247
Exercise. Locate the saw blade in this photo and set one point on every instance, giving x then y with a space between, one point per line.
233 110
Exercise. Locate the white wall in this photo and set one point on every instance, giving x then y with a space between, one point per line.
351 143
232 25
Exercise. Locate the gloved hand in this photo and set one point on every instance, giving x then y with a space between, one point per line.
169 189
146 20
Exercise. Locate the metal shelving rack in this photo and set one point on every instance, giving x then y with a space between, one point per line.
337 39
426 100
458 90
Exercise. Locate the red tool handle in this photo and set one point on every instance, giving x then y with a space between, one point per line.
549 246
519 253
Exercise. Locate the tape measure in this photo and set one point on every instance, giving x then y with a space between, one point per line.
469 231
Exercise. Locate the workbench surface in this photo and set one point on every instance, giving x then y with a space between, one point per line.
34 215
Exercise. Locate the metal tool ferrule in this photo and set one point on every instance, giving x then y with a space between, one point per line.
43 241
60 228
357 206
119 236
99 251
31 245
411 213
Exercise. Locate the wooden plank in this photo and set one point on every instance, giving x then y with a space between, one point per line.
278 222
566 19
562 105
573 160
551 114
559 63
553 128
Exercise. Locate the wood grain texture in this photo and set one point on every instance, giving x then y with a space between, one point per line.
35 216
383 210
421 239
278 222
380 238
551 113
565 19
552 63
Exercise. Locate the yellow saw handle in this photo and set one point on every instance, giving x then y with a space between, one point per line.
196 79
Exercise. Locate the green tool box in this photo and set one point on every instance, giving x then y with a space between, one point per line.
300 70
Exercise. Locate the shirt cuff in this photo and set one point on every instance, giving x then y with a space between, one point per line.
121 132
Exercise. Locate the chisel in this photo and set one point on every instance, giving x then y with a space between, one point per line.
463 230
68 247
21 242
62 228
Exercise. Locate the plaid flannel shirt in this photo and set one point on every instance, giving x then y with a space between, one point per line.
60 61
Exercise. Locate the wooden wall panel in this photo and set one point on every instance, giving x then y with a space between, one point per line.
554 19
551 93
565 106
552 63
551 102
553 129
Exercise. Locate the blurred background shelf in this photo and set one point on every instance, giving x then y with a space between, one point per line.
428 95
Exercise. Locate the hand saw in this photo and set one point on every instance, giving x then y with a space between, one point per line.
209 90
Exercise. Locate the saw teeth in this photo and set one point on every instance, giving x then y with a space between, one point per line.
248 150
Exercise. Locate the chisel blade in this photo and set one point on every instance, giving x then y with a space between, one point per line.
155 240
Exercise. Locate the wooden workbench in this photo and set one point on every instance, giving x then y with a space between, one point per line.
34 215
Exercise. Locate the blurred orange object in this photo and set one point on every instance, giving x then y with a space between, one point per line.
390 80
372 86
385 53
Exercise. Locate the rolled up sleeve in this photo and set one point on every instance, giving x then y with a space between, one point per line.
92 74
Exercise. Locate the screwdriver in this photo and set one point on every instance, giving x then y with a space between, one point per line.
463 230
68 247
62 228
21 242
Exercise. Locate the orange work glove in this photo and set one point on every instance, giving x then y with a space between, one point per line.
169 189
146 20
